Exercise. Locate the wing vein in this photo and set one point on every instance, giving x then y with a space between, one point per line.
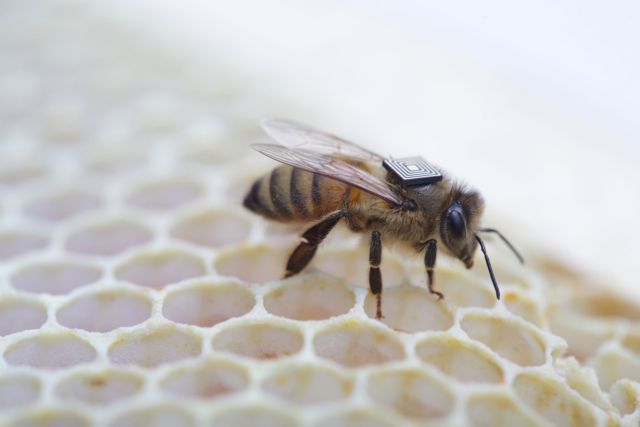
331 167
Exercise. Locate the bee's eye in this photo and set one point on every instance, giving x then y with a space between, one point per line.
456 221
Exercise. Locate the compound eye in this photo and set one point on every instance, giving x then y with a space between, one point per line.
456 221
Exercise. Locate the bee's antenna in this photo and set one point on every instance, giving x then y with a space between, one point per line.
486 258
504 239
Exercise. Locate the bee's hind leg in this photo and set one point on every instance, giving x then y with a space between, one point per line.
375 278
311 238
430 262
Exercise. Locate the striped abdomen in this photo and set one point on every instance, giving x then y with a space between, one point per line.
292 194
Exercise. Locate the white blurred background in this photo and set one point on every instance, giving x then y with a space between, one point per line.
534 103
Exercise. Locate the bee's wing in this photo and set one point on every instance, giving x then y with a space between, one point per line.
298 136
331 167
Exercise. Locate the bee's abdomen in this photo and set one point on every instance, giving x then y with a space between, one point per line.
292 194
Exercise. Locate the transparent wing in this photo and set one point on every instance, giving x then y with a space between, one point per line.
331 167
298 136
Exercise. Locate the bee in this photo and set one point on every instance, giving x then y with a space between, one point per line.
325 179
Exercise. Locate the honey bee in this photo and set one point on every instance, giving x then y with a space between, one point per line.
326 179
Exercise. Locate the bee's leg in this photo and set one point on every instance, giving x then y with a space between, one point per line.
429 262
375 278
311 238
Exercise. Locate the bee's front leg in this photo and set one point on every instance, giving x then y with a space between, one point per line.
430 262
311 238
375 278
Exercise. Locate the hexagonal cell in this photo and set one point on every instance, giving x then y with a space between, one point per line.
14 176
267 263
523 307
62 206
50 418
18 390
460 288
160 268
253 416
162 415
50 351
507 337
108 159
14 243
215 154
307 384
204 136
625 396
461 360
213 228
104 311
21 87
355 418
553 400
410 309
164 195
108 238
607 306
18 314
151 348
207 304
613 364
584 334
99 388
310 297
352 266
584 381
632 341
63 118
113 83
158 111
55 278
286 235
411 393
355 344
496 410
259 341
208 379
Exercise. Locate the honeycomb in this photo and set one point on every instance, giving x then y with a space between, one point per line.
135 290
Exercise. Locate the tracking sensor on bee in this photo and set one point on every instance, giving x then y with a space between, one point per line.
326 179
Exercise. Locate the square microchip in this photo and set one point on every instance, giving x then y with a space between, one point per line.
413 170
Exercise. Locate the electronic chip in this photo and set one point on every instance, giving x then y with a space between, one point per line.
413 170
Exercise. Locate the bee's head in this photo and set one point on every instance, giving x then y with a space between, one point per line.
459 227
459 224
